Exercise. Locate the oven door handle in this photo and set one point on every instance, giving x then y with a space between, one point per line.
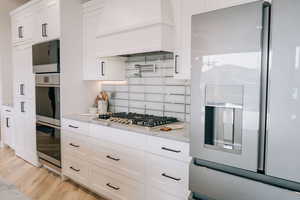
46 124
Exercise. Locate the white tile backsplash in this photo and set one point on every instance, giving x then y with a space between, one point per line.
159 91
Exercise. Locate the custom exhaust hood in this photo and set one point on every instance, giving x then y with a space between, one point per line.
136 26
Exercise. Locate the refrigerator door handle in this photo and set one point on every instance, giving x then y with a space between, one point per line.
265 46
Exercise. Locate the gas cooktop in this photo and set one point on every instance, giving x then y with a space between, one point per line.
138 119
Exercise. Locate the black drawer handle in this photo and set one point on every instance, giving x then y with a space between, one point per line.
74 145
172 150
76 170
71 126
112 158
170 177
113 187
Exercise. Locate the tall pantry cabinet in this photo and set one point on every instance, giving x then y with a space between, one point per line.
22 21
29 26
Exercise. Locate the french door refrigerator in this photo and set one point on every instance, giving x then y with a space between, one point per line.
245 108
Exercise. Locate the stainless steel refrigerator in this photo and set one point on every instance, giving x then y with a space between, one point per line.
245 108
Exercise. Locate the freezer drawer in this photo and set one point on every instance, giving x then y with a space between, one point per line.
221 186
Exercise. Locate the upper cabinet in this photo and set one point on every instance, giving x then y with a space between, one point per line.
46 24
96 67
135 26
35 22
22 25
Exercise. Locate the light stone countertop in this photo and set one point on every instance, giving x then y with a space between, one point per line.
181 135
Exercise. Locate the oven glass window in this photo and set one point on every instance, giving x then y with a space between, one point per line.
48 141
48 102
45 53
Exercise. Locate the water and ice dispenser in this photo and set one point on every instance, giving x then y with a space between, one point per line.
224 117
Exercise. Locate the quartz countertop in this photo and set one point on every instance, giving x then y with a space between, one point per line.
181 135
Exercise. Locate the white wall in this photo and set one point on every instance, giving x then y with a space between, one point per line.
76 95
5 50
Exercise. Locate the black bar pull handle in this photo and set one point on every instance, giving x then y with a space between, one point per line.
112 158
170 177
74 145
44 30
22 106
171 150
71 126
22 89
20 31
113 187
76 170
176 64
7 122
102 68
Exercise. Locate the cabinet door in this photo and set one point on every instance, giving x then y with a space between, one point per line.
52 29
22 25
8 130
179 70
91 66
24 82
47 21
15 29
25 133
182 63
112 69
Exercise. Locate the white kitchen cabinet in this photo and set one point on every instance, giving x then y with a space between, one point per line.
94 67
91 67
24 106
7 127
130 27
47 21
181 71
77 169
126 161
124 165
106 69
168 175
24 81
115 186
25 132
22 26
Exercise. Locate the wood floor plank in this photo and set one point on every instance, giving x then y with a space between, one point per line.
39 183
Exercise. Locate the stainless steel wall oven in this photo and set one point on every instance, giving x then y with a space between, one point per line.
48 117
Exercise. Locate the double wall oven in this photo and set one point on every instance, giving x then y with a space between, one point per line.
46 67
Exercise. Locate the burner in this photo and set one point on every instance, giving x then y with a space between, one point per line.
138 119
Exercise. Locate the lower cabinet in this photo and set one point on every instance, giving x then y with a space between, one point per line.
167 175
25 132
77 169
115 186
122 171
7 132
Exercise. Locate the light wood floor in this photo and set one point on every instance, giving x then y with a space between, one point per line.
39 183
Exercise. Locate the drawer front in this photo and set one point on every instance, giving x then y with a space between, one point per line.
168 175
169 148
118 136
74 146
125 161
114 186
155 194
76 170
75 126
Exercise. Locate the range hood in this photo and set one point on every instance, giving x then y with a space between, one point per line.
136 26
